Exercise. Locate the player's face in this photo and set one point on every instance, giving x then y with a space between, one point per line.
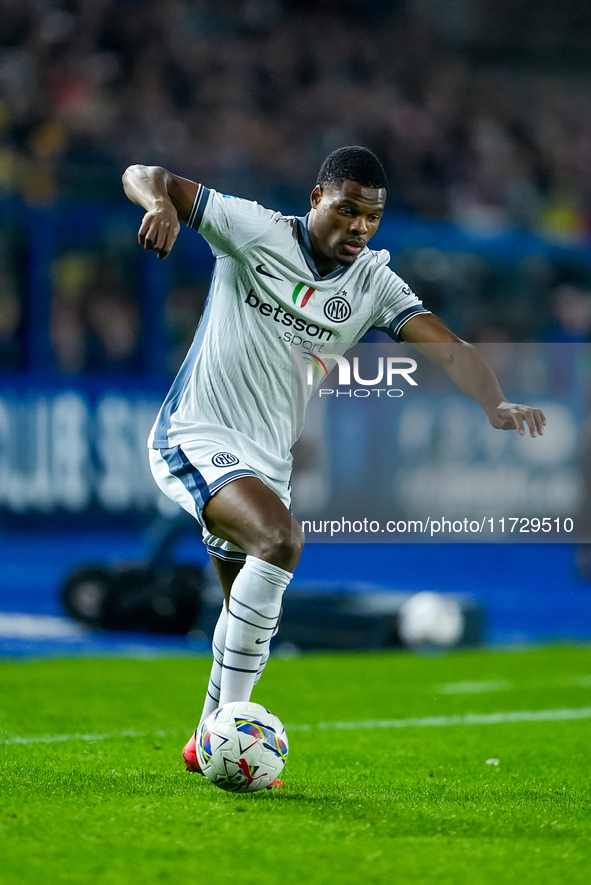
341 222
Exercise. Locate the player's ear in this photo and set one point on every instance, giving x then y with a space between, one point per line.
316 196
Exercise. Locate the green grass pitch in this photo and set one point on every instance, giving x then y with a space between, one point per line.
93 789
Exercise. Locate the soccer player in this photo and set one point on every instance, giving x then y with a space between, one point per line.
221 444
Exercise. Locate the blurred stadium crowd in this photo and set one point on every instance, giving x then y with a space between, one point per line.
250 96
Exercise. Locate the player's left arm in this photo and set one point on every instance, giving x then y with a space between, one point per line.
471 373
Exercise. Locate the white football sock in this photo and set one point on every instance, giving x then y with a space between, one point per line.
255 604
212 698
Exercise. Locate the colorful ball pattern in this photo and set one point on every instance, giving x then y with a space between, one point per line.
241 747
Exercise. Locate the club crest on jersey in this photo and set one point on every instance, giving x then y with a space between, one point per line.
302 294
224 459
337 308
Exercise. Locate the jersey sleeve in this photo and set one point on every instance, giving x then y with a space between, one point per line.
397 305
229 224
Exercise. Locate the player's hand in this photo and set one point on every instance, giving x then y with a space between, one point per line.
513 416
159 229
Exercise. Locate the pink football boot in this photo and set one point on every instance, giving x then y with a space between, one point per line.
190 754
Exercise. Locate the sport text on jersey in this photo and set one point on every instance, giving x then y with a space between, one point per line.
284 318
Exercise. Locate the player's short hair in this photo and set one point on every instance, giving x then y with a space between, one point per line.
354 163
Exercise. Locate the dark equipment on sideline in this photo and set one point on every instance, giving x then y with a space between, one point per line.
135 598
159 595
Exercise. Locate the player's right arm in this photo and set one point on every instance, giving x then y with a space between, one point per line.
167 199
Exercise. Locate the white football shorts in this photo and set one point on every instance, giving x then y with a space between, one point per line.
191 473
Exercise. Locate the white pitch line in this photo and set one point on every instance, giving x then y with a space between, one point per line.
446 721
28 739
479 687
364 725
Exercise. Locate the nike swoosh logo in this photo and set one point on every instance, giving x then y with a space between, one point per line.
261 641
260 269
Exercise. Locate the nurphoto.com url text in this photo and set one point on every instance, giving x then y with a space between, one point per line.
490 525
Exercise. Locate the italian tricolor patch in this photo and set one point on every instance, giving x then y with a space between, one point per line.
302 294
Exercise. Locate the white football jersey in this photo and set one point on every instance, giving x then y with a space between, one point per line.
267 302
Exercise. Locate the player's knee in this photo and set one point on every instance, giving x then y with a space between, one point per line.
282 546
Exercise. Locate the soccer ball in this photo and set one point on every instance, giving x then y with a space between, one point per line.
241 747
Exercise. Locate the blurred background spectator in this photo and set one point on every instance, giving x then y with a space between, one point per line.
95 321
481 114
11 306
571 315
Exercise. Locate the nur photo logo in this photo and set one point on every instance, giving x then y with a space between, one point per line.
389 370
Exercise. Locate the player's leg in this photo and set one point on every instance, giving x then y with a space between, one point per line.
244 630
248 514
227 572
